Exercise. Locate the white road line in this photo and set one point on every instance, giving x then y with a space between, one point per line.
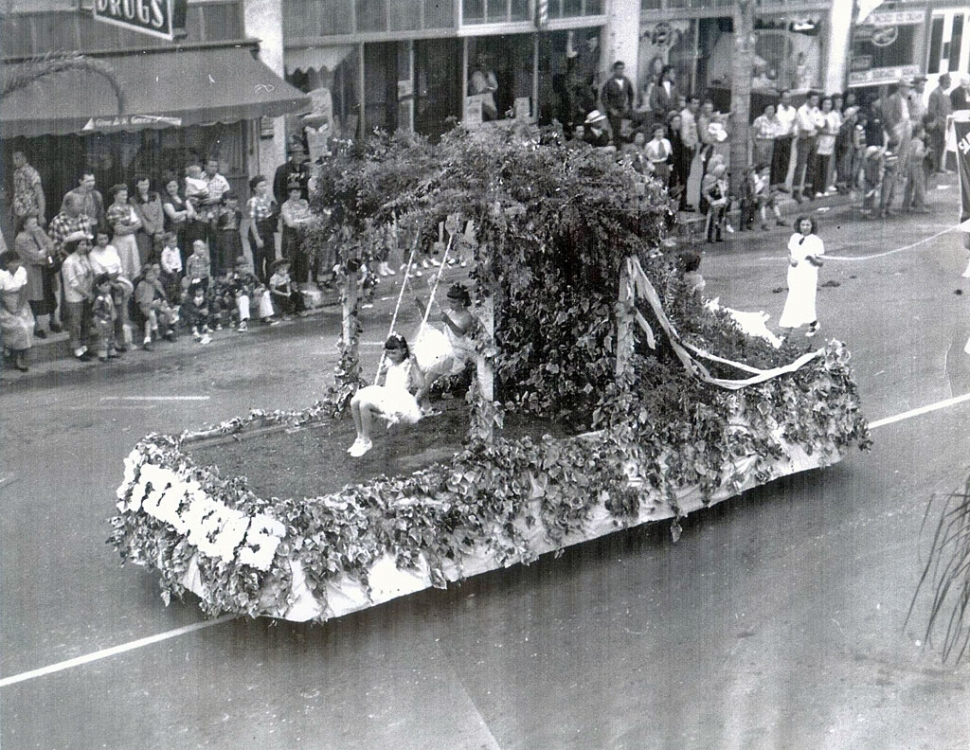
897 250
114 651
920 411
142 642
155 398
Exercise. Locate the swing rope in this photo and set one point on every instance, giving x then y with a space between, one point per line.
397 307
400 296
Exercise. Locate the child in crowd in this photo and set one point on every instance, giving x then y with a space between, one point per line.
154 306
171 267
658 152
104 314
104 259
196 311
872 173
228 241
714 193
285 298
749 204
246 288
196 188
890 176
295 216
766 196
222 301
197 264
392 400
914 172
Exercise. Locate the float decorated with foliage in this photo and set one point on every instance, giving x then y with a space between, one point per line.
583 319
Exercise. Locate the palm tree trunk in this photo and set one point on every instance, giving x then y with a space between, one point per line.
742 61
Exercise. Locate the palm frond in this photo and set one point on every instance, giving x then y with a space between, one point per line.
60 62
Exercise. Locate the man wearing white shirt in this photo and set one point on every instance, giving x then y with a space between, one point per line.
688 133
808 121
784 135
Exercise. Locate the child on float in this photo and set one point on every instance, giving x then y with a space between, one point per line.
228 241
285 298
446 352
392 399
154 306
105 314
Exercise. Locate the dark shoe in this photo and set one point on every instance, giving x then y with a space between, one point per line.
688 209
86 357
55 327
121 349
103 360
148 346
783 189
41 334
114 355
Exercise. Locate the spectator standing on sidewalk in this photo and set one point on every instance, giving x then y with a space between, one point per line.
262 210
36 250
680 160
890 178
913 170
78 278
939 110
617 96
664 95
688 132
896 114
825 146
89 198
123 220
151 217
28 191
104 259
763 132
960 96
845 151
16 319
785 115
808 122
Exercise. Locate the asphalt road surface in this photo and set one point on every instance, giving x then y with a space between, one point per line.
777 620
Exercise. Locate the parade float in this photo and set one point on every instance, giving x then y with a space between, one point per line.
603 395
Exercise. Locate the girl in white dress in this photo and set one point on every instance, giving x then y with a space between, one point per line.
393 400
439 353
805 251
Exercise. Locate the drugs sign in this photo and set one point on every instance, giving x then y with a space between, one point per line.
159 18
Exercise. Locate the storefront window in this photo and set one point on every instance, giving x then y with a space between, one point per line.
495 11
437 90
308 18
500 75
574 8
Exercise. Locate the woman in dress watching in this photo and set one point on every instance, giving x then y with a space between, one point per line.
36 250
123 220
148 208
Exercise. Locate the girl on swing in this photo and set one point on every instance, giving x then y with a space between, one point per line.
393 400
440 354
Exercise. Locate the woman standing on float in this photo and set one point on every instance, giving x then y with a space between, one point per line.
805 251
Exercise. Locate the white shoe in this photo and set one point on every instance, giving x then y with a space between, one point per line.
425 263
360 447
205 339
434 262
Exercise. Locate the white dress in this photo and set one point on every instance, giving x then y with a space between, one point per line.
802 281
442 353
394 399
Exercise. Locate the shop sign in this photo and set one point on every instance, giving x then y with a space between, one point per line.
896 18
884 36
159 18
861 62
125 122
876 76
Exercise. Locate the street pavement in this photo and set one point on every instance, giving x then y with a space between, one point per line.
776 621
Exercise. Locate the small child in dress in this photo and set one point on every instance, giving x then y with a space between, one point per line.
153 304
872 171
103 311
197 264
222 302
749 204
890 178
196 311
228 219
448 351
285 298
171 268
393 400
766 196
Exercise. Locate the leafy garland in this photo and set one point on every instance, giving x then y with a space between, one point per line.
490 493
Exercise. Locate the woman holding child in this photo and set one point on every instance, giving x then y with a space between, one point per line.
124 222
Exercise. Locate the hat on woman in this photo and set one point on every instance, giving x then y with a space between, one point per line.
594 117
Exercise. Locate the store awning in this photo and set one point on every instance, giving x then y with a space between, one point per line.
174 88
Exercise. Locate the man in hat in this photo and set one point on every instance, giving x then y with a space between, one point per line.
617 97
896 114
594 130
295 167
939 110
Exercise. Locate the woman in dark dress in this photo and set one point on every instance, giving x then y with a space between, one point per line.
178 214
679 161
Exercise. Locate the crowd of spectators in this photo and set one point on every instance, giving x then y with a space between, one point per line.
881 152
162 256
